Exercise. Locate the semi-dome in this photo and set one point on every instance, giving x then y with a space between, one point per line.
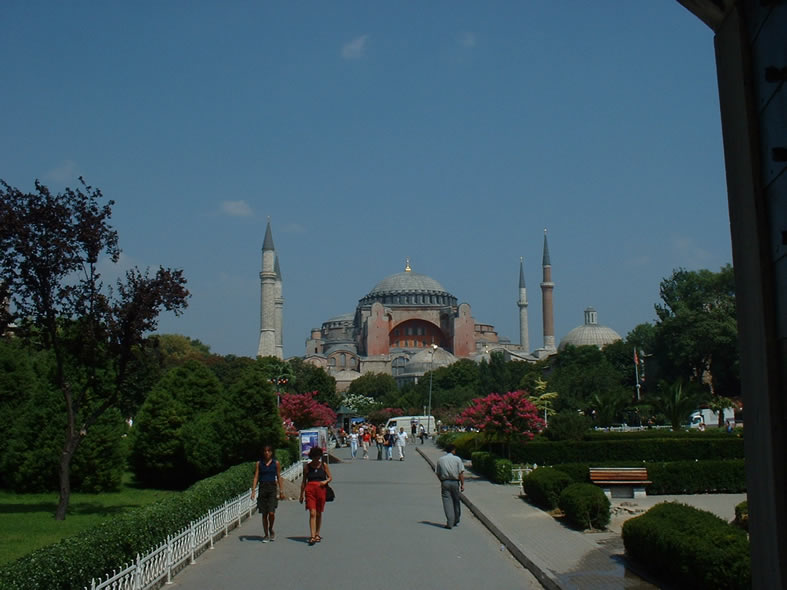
429 359
590 334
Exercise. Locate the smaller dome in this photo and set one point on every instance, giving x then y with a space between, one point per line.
422 361
590 334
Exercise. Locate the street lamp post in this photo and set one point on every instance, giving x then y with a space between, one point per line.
279 380
431 370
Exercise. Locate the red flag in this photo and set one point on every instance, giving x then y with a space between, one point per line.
636 358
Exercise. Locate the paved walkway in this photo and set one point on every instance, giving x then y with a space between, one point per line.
385 530
561 557
386 527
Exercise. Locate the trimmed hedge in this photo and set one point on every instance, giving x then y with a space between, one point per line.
697 477
544 485
633 449
494 468
585 506
742 515
118 540
676 477
689 548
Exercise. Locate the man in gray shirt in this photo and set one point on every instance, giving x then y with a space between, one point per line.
450 471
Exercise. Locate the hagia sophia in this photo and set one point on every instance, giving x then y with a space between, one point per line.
409 324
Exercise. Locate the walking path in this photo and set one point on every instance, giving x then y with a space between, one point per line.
386 527
561 557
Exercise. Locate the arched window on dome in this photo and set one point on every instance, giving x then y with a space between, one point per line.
343 360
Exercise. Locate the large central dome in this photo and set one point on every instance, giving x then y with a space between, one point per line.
408 282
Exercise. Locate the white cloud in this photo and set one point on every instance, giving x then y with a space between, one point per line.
64 173
294 228
468 40
687 250
236 208
356 48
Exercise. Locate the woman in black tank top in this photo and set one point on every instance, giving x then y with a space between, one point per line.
316 475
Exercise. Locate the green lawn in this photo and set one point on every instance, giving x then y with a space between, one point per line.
27 520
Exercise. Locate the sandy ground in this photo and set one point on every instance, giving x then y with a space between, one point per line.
722 505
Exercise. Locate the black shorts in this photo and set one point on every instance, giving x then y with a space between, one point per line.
268 497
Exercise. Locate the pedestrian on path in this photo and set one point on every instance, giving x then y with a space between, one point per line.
401 442
388 442
365 440
316 476
379 440
354 443
450 471
268 474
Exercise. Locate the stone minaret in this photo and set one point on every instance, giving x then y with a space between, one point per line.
524 340
546 294
268 335
279 305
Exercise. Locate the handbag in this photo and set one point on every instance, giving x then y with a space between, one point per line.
330 495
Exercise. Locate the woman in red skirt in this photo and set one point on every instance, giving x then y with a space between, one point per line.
316 475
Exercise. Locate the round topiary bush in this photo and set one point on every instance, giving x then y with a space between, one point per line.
585 506
544 485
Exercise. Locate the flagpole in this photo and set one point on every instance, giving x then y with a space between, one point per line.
636 371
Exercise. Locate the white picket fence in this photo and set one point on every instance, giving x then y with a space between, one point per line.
161 564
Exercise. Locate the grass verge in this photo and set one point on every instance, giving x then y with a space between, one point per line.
27 520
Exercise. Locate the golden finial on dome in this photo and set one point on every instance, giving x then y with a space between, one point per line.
407 265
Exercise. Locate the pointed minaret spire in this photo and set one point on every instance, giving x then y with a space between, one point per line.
545 261
278 306
524 339
267 243
547 286
270 292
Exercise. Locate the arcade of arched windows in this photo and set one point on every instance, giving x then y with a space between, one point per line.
415 334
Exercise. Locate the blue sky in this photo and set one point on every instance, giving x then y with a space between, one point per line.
451 133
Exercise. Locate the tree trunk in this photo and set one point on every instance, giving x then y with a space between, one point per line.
69 448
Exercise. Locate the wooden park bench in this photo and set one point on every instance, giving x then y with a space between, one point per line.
621 482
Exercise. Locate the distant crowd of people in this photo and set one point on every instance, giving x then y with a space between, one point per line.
363 437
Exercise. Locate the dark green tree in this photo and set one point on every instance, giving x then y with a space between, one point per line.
166 423
697 331
578 373
378 386
308 378
50 246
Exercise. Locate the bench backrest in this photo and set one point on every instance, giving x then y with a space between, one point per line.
618 474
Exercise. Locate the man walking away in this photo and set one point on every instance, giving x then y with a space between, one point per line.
450 471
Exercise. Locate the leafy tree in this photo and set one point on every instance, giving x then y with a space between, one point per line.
580 372
305 411
567 425
697 330
544 400
251 419
176 349
374 385
360 404
164 427
677 403
308 377
503 418
493 377
229 368
50 245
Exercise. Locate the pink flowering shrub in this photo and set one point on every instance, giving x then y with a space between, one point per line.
503 418
304 411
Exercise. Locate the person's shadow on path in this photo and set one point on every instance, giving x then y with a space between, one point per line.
439 525
243 538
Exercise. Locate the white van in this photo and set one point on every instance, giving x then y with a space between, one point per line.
406 422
